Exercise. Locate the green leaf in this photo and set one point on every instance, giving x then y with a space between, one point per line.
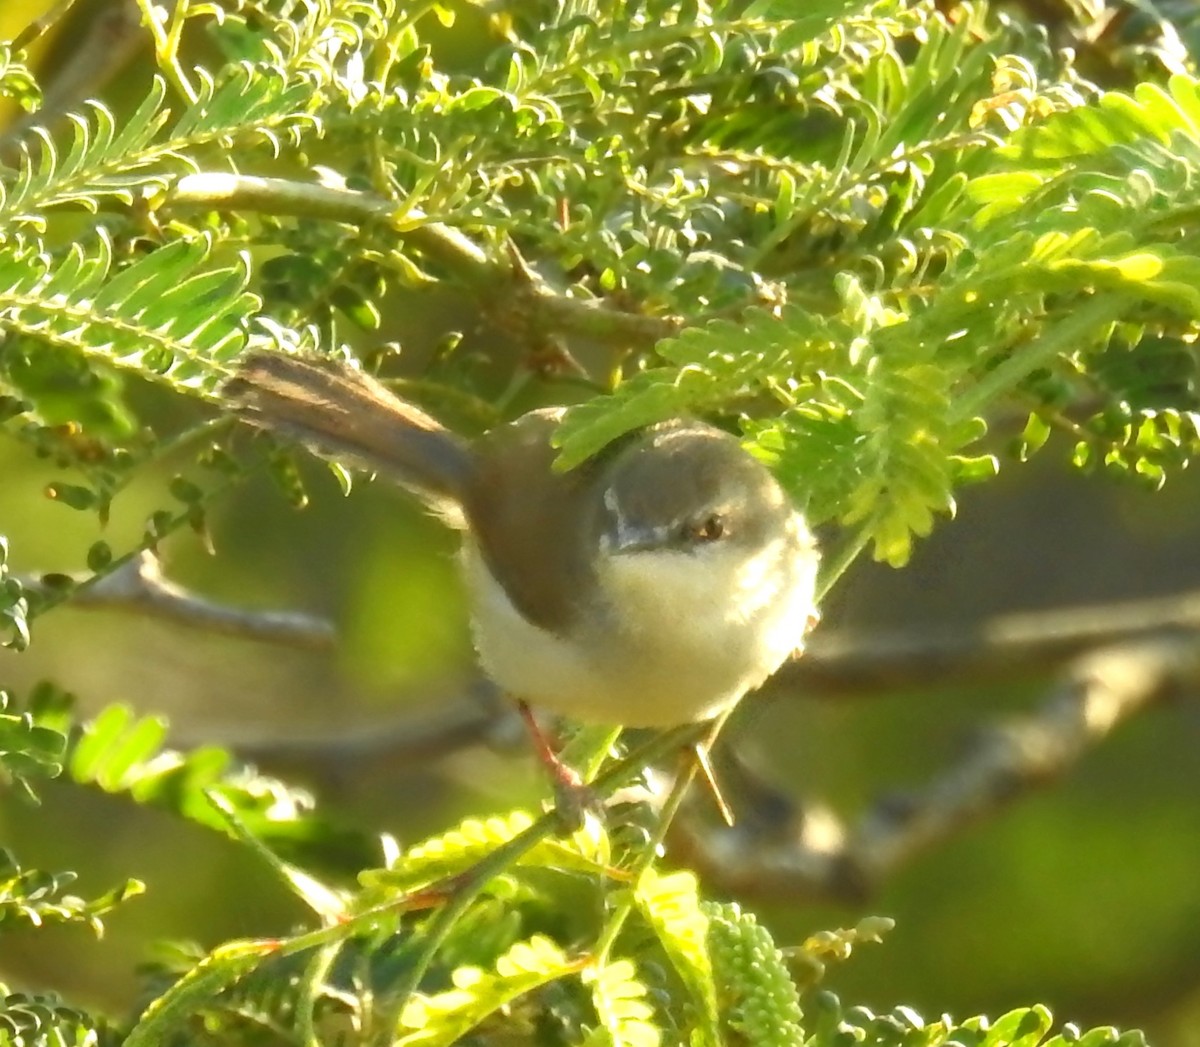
165 315
619 997
171 1011
14 605
28 750
99 556
1024 1027
671 905
100 164
477 98
444 1018
36 898
451 853
120 753
71 495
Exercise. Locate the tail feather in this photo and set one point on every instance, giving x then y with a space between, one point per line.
342 413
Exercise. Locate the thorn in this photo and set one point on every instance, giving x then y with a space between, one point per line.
700 752
522 272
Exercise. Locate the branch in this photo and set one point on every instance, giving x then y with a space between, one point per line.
450 723
521 300
138 586
100 50
1005 648
814 856
1120 660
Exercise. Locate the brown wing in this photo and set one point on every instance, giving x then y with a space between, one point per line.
533 525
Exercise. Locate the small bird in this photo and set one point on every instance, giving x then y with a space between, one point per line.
653 585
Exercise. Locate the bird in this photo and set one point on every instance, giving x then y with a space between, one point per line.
651 586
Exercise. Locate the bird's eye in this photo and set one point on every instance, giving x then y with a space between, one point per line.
710 529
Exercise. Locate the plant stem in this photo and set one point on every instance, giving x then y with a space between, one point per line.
1056 338
629 897
833 568
471 883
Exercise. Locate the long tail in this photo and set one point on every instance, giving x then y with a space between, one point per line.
345 414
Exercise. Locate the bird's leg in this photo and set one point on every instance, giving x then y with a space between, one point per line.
572 796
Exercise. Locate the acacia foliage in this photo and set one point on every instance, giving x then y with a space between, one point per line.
877 232
867 233
522 959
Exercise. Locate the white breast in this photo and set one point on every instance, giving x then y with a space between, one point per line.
696 631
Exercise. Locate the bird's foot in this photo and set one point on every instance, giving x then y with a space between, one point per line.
574 799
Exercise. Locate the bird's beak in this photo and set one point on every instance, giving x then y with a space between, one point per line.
634 539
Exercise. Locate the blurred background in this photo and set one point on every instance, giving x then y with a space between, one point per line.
1084 895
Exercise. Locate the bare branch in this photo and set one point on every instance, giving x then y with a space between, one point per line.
1007 647
813 855
104 46
781 849
41 25
138 586
446 725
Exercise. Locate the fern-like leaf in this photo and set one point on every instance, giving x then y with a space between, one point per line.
710 367
169 1014
619 996
448 854
903 1027
44 1020
246 103
670 904
809 961
169 315
14 605
28 749
100 163
37 898
17 80
119 753
444 1018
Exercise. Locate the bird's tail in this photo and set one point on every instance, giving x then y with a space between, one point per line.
342 413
